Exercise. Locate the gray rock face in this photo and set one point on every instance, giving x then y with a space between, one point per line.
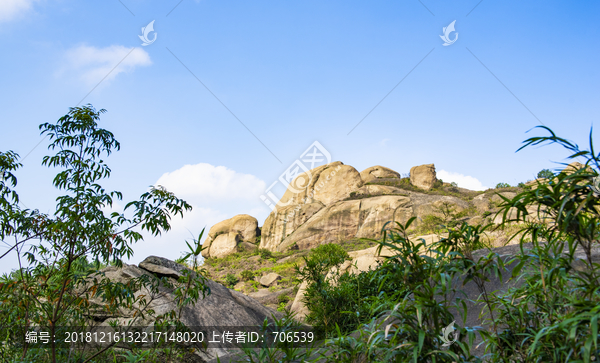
266 297
222 307
150 265
470 292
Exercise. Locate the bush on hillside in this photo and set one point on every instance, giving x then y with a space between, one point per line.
545 173
551 316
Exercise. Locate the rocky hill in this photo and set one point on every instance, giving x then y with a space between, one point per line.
337 204
252 271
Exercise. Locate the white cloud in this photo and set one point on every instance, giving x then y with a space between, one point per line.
384 142
93 64
206 183
463 181
10 9
215 193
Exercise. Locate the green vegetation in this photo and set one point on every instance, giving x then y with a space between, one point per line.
247 275
230 280
265 254
545 173
551 316
57 287
394 313
439 188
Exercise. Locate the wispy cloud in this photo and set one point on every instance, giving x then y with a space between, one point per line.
11 9
463 181
92 64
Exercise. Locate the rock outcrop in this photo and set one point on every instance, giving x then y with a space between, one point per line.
423 176
225 237
221 308
337 205
349 219
378 172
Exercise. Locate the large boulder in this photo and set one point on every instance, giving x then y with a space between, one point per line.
326 184
378 172
423 176
573 167
224 238
308 193
270 279
363 215
221 308
482 203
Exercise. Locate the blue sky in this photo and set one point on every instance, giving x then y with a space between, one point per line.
232 92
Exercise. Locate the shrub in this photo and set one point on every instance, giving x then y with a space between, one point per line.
348 300
247 275
551 316
502 185
265 254
230 280
283 299
320 259
545 173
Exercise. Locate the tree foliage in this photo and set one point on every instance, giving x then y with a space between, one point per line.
53 287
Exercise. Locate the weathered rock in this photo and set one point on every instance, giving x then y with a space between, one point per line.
337 184
222 307
159 270
534 183
427 204
374 190
375 172
573 167
308 193
266 297
326 184
298 308
349 219
270 279
481 202
423 176
225 237
287 219
497 199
